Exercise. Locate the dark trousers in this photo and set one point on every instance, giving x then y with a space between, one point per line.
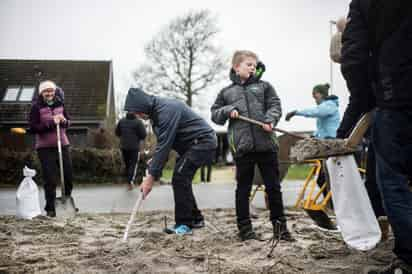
49 159
206 172
268 165
392 140
371 184
130 160
186 210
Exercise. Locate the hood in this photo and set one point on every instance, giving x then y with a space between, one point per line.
332 98
138 101
260 69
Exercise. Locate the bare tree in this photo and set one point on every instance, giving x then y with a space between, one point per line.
182 59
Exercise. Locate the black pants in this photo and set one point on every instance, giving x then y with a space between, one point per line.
130 160
49 159
206 172
186 210
268 165
371 184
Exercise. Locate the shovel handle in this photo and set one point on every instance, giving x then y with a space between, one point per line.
59 150
136 207
246 119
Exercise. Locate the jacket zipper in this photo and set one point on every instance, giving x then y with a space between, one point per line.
248 112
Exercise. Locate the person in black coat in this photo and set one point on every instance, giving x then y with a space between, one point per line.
377 67
131 132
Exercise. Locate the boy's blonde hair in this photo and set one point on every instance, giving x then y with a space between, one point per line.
240 55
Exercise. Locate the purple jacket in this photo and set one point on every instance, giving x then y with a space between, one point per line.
42 125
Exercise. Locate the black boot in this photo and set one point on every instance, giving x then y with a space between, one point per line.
246 232
280 231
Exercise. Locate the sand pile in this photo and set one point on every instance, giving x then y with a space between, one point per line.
312 148
92 244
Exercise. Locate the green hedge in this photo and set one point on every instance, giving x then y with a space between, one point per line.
90 165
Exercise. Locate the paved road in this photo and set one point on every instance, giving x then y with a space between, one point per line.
115 198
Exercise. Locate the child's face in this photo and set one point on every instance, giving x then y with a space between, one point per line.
246 68
317 96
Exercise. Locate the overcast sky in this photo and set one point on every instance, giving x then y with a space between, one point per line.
291 37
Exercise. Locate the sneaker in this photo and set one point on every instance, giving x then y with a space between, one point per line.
281 231
397 267
130 187
198 224
179 230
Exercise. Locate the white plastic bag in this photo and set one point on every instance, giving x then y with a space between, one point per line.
27 197
354 213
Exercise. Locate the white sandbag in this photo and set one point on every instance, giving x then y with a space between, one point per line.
353 209
27 196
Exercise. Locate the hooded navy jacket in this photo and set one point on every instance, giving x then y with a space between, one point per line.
175 124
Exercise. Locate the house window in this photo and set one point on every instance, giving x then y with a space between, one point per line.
11 94
18 94
26 94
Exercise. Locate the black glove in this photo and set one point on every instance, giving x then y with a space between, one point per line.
289 115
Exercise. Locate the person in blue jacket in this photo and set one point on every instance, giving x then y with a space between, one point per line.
327 120
326 112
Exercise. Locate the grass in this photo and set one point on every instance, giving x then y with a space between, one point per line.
298 172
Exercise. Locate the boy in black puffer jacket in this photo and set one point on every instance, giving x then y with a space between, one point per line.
252 145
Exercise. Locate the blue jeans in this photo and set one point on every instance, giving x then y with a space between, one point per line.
392 139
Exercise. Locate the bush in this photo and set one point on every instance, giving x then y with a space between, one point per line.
89 165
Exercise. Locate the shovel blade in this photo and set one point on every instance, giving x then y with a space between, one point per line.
65 207
321 219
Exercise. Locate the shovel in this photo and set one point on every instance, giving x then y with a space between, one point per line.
246 119
65 207
136 207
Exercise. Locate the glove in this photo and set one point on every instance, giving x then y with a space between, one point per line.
290 115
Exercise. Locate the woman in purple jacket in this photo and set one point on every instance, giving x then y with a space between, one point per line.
45 114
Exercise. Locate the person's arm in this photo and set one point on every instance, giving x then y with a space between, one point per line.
66 122
140 130
220 110
322 110
355 62
167 133
335 48
272 105
38 126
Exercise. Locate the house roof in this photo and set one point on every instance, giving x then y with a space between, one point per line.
87 85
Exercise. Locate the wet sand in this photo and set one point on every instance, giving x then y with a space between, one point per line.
92 243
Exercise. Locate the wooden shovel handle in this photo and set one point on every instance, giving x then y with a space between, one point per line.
243 118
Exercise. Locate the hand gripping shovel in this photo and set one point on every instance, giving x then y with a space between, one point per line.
65 207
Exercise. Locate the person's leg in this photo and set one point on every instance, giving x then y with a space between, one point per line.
132 171
371 185
68 170
209 172
269 168
393 147
185 203
48 160
245 169
202 174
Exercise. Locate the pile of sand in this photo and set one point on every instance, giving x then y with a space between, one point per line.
312 148
92 244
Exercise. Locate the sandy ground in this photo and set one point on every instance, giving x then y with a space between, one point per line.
91 243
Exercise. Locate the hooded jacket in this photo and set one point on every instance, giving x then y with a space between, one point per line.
130 131
255 99
327 117
176 126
